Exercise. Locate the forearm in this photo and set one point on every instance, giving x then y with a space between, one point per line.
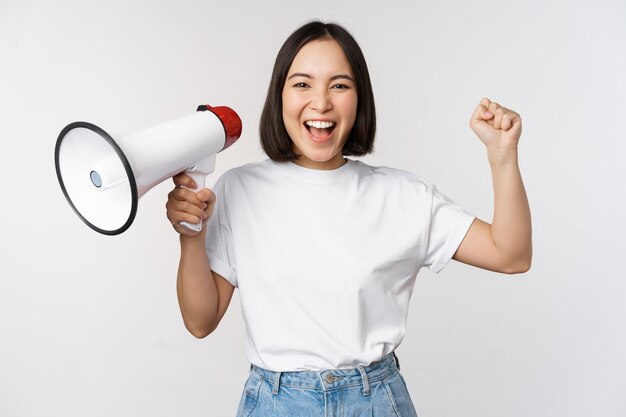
511 227
196 288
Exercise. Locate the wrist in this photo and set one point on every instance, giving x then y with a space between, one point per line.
500 156
197 239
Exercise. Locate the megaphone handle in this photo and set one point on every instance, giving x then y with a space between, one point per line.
198 173
200 179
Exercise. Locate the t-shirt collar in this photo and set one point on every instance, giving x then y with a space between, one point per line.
316 176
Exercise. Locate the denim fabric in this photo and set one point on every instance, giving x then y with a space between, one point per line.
375 390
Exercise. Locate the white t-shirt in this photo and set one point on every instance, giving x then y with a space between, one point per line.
325 261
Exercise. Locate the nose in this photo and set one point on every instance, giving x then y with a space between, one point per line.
321 100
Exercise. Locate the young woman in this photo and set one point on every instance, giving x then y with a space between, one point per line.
325 250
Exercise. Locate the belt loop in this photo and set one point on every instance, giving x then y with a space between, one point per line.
397 360
276 383
366 382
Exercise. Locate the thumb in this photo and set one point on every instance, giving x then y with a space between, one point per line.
206 195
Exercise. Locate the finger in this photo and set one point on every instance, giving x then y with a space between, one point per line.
506 121
482 113
206 195
184 194
180 217
178 211
493 106
183 179
485 114
209 202
187 207
509 118
497 120
484 106
176 217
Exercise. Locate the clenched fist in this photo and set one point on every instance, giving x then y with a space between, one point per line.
497 127
184 205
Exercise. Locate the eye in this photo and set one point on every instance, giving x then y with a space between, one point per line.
340 86
301 85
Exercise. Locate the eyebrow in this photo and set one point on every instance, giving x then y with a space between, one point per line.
333 78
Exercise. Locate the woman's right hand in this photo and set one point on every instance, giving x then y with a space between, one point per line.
184 205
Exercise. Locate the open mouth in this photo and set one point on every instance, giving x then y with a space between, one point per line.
320 129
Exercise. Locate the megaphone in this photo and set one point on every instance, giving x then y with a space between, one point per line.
103 178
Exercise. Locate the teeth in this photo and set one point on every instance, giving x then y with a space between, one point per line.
318 124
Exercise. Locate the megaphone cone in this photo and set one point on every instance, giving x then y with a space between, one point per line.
103 178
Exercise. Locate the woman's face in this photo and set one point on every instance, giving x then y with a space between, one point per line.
319 104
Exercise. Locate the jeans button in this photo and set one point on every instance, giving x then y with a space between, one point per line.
329 378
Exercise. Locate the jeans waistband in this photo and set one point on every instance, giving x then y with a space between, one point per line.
333 378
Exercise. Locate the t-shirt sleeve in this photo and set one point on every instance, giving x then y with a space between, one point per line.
219 241
448 226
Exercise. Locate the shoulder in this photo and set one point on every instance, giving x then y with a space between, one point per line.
393 177
245 172
249 168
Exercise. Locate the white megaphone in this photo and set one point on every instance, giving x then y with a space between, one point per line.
102 178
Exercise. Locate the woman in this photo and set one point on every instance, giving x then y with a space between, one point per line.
325 249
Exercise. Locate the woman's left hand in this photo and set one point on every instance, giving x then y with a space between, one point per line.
497 127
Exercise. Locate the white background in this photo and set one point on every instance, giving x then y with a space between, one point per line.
89 324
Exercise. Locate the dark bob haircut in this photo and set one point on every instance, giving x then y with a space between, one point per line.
274 137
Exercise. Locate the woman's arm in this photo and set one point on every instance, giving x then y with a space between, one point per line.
506 244
203 295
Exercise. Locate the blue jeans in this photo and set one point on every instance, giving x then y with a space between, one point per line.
374 390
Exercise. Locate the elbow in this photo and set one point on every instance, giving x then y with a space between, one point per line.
519 265
200 332
518 269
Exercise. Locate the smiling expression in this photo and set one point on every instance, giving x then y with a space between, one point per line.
319 104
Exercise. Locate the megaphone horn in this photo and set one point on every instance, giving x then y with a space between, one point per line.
103 178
